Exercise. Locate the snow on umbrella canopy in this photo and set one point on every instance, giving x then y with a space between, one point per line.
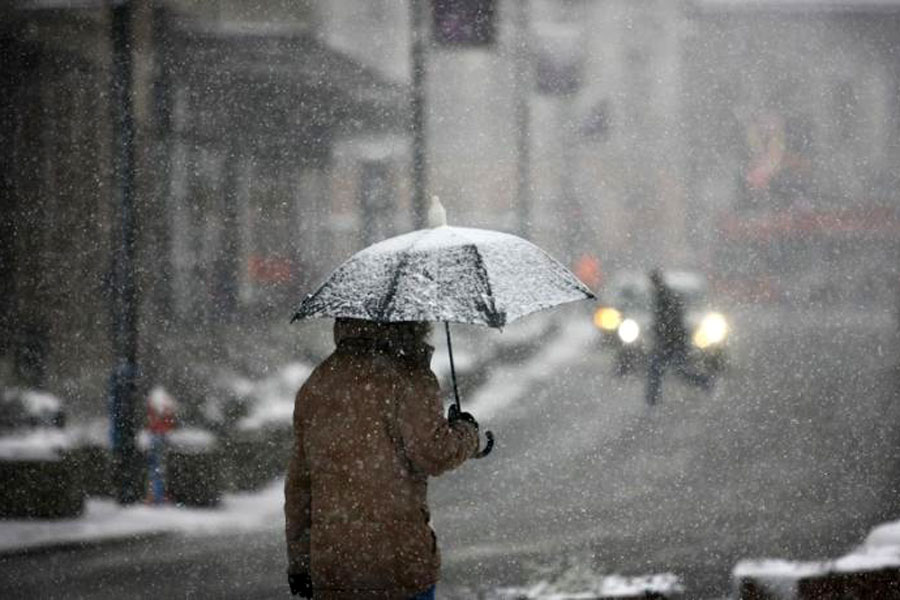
451 274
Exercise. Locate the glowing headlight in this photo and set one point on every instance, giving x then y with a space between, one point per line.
607 319
629 331
712 330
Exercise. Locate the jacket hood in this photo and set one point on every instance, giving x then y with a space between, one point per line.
406 339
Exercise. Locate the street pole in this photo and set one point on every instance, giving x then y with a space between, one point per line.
569 153
523 88
123 379
417 109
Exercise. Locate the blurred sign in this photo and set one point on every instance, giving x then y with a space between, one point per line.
587 269
269 270
464 22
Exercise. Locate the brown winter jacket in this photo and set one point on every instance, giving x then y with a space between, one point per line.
369 430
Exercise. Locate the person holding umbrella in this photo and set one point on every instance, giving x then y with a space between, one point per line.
369 431
368 423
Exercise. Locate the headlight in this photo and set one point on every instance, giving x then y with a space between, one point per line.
629 331
712 330
607 319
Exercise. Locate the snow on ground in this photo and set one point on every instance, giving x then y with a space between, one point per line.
510 382
884 536
880 550
39 444
588 586
105 520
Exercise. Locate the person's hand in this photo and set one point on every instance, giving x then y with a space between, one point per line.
454 415
301 584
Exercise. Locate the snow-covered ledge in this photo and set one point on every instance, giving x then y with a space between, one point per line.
871 570
41 444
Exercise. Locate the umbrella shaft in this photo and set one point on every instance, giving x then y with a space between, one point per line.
452 366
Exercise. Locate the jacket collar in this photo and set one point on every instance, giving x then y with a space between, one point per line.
358 336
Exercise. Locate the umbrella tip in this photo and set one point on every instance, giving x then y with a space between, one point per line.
437 216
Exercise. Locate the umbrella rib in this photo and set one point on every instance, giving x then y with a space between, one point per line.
395 279
497 319
309 299
392 286
576 284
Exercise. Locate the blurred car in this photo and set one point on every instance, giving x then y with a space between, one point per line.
41 475
625 320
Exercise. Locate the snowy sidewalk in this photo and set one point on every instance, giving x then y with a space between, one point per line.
106 521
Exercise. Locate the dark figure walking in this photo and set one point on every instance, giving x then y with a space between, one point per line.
670 340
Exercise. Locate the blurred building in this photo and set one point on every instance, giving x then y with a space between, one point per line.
601 87
251 115
269 144
469 100
629 134
57 208
656 128
793 121
746 138
238 122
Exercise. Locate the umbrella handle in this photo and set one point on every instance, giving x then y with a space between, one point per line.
489 435
488 446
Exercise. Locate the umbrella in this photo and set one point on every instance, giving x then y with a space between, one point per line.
449 274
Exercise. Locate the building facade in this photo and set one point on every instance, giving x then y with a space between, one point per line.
793 121
238 125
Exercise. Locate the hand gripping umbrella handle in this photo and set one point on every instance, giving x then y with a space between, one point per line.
488 446
488 434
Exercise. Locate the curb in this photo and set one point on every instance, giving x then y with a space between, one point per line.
50 547
854 576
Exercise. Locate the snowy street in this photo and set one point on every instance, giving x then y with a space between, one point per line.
794 455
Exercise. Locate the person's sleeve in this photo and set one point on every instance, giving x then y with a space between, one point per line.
297 502
432 445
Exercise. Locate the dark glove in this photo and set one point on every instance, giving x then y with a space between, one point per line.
301 584
454 415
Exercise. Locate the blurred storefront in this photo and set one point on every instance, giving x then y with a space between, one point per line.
793 129
250 118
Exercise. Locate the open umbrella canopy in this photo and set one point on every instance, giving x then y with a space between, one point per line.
451 274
